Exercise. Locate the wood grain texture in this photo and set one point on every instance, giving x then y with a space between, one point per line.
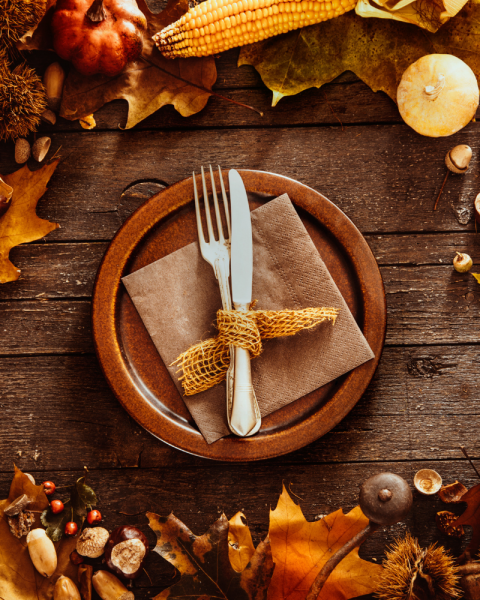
366 171
421 404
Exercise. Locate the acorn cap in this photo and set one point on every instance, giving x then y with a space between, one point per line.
22 151
385 498
17 506
40 148
458 158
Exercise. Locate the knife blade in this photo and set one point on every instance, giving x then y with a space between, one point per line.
245 419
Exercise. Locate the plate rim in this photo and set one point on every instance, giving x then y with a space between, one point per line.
230 448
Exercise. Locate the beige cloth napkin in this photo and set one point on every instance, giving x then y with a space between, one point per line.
177 298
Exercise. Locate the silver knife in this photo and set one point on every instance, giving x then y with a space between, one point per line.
245 419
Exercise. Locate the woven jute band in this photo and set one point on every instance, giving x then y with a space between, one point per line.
205 364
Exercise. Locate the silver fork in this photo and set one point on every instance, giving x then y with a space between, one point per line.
217 254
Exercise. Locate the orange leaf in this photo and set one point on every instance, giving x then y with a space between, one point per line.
20 223
240 543
300 549
471 517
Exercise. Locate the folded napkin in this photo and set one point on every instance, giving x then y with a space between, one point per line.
177 298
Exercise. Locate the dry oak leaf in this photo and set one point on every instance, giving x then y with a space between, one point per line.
240 543
300 549
18 578
471 517
145 87
203 562
376 50
20 223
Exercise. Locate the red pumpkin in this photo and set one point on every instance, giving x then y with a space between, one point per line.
100 37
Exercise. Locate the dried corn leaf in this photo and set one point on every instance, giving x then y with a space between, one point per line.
376 50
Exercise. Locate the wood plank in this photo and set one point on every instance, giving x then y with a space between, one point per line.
53 270
426 305
364 170
422 403
198 495
337 103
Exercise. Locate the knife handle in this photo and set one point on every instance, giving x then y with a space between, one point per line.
245 418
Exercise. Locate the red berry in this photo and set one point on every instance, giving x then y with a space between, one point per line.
56 506
71 528
94 516
48 487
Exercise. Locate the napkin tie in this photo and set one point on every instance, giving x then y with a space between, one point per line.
206 363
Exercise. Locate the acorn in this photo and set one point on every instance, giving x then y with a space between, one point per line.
109 587
462 263
22 151
40 148
457 161
42 552
53 82
65 589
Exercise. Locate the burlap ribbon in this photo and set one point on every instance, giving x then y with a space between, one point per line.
205 364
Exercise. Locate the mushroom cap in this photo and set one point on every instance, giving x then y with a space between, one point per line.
92 542
381 507
434 106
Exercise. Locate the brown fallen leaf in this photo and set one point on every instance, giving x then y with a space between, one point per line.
240 543
300 549
203 562
471 517
20 223
18 578
377 50
145 87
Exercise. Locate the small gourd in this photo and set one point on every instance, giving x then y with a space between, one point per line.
99 36
438 95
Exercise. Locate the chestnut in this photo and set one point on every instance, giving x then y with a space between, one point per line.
125 551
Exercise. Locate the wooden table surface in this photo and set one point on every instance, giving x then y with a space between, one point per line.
58 413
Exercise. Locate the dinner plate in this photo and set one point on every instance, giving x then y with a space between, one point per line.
137 374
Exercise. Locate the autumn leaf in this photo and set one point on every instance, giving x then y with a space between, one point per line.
471 517
145 87
376 50
300 549
20 223
477 276
203 562
240 543
18 578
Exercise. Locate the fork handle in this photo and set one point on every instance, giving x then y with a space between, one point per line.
245 419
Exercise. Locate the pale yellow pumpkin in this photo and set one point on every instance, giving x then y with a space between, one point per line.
438 95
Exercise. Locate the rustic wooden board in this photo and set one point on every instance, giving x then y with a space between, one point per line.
53 270
426 305
422 404
366 171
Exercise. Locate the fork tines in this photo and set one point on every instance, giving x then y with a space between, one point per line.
211 236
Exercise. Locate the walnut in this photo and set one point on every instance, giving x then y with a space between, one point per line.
21 524
92 542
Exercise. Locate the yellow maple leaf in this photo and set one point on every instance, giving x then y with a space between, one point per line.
240 543
477 276
300 549
20 223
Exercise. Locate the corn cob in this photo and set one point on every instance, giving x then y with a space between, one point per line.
217 25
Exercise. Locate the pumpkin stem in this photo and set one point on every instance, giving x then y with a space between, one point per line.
96 13
433 91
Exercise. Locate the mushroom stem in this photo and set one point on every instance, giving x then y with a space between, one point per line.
433 91
334 560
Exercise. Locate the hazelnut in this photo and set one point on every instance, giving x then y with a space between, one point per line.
125 551
462 263
92 542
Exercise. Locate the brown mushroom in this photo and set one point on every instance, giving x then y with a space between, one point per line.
92 542
445 521
385 499
125 551
452 492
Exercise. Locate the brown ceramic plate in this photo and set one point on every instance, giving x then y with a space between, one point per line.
134 369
